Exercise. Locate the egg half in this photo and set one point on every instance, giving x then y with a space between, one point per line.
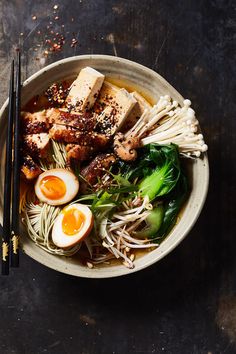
72 225
56 187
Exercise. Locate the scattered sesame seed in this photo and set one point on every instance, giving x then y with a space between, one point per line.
56 18
34 17
55 7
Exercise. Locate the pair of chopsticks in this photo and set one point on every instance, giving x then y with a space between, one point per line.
10 229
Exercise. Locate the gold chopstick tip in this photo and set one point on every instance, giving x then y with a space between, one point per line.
5 251
15 243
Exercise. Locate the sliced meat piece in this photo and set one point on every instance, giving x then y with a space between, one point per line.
85 89
29 168
97 168
34 123
116 111
136 112
64 133
100 141
70 134
84 122
53 115
77 152
36 144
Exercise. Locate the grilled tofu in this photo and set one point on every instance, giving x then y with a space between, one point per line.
106 96
114 105
97 167
29 168
34 123
136 112
85 89
36 144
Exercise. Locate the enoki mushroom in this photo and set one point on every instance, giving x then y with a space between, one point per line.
167 122
118 234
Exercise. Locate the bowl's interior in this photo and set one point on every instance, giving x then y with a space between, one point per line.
148 83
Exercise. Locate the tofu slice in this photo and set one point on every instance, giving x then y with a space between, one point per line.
85 89
106 95
137 111
117 110
36 144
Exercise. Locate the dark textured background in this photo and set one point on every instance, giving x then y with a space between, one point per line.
187 302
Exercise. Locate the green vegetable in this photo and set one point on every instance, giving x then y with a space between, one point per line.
154 222
166 173
102 200
159 174
121 180
156 173
150 158
173 205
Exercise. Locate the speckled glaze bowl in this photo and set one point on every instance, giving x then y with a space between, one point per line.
148 83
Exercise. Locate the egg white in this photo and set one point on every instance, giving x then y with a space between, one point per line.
71 183
62 240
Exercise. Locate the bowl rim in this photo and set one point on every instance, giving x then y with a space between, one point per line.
93 274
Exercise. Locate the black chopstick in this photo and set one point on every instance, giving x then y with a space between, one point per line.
7 180
16 171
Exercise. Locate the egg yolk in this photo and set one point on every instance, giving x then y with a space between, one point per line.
53 187
72 222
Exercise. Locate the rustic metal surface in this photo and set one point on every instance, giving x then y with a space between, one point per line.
187 302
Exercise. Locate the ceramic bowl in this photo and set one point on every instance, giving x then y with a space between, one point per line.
148 83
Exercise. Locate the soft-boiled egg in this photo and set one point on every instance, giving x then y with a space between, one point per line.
72 225
57 186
